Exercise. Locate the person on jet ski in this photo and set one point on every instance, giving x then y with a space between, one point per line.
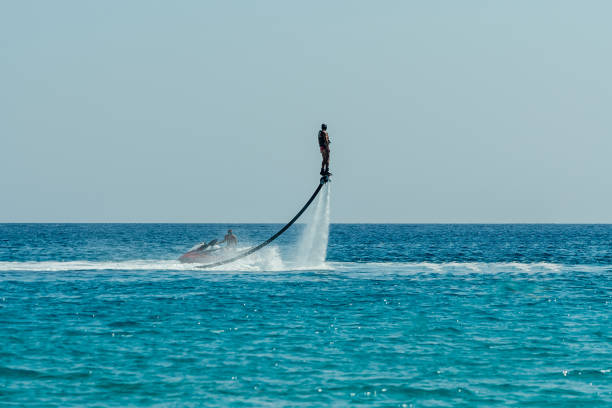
231 239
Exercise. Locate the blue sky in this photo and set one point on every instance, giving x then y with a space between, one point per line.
438 111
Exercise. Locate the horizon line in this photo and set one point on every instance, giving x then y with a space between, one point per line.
281 222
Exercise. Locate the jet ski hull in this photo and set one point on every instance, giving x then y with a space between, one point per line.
196 256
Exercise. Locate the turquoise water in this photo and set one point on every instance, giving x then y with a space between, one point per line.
399 315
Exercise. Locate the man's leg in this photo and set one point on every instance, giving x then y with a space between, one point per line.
323 162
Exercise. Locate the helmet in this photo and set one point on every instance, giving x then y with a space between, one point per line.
323 126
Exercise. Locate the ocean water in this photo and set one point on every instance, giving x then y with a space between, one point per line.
397 316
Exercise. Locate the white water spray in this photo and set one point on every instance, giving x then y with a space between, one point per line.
312 248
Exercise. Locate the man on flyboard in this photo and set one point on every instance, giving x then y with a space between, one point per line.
324 148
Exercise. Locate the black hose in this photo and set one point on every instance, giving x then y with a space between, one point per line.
324 180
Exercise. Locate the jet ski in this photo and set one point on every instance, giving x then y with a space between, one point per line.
203 252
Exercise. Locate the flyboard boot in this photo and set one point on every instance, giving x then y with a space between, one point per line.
325 176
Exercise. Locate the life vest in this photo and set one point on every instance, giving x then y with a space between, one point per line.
322 141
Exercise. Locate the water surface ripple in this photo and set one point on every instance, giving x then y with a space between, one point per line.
412 315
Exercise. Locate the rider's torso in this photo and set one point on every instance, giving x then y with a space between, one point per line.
322 138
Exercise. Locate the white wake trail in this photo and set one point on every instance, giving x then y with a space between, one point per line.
269 259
